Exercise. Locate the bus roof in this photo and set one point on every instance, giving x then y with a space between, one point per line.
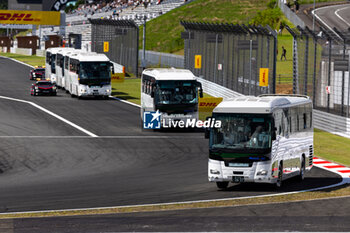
260 104
66 51
90 57
170 74
57 49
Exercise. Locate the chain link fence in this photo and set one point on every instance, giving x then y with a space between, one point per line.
320 68
231 55
118 39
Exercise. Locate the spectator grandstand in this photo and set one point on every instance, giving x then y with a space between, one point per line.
78 23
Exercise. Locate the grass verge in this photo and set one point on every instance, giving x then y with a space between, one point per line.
332 147
316 195
31 60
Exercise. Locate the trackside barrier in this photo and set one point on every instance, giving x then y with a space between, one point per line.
163 59
332 123
216 90
40 52
290 14
22 51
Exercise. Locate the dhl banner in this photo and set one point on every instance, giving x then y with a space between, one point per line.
207 104
30 17
264 77
118 77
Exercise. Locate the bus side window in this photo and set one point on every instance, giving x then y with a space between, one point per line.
147 89
311 119
142 85
290 124
298 123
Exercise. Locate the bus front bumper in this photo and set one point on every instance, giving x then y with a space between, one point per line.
95 91
259 172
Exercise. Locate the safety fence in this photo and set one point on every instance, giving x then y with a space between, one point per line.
320 68
118 39
233 56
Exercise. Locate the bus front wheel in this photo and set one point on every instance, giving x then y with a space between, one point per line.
222 185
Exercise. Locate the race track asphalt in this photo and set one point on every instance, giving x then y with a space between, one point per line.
47 164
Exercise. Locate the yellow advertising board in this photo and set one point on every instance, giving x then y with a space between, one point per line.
264 77
30 17
207 104
105 46
198 61
118 77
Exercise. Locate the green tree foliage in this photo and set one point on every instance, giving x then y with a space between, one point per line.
270 17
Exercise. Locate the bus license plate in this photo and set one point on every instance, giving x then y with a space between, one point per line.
238 179
238 164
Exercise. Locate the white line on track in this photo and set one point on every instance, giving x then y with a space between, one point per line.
18 61
323 22
52 114
344 181
124 101
107 137
341 18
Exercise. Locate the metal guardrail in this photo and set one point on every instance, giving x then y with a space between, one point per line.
332 123
291 15
217 90
163 59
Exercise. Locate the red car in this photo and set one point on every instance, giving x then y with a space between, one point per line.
43 88
37 74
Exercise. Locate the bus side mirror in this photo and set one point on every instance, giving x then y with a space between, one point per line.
152 94
200 89
201 93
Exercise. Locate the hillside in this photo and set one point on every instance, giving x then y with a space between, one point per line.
163 33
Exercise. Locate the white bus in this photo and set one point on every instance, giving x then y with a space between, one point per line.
264 139
60 56
50 60
89 75
174 92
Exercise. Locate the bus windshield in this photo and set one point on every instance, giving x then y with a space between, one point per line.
176 92
242 131
94 72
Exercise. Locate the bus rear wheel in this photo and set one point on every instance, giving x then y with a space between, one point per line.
222 184
280 176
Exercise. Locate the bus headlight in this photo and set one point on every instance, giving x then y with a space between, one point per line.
36 88
108 90
261 173
215 172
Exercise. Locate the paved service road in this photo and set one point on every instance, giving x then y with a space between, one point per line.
52 165
306 216
335 16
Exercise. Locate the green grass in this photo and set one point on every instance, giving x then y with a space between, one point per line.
129 90
332 147
164 32
31 60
